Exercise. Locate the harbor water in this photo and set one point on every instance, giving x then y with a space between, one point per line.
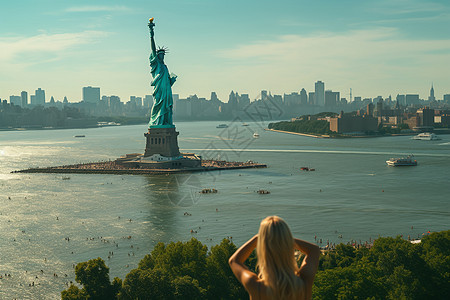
51 222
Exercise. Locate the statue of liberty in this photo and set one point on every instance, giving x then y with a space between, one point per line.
161 114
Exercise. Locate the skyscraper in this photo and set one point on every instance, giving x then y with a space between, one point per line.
431 97
91 94
319 94
24 96
311 98
303 97
16 100
447 98
148 101
331 98
40 96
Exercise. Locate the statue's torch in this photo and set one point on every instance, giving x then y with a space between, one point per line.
151 24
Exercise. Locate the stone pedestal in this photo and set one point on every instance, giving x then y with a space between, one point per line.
162 141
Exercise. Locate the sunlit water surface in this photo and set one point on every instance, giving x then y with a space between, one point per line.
50 222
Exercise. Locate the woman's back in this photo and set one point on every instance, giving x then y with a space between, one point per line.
279 276
264 292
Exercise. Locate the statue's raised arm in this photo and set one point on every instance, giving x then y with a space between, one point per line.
152 34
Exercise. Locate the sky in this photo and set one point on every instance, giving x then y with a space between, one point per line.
383 47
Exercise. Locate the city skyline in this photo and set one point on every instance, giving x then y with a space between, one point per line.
384 48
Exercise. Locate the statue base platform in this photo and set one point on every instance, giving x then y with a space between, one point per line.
131 164
162 141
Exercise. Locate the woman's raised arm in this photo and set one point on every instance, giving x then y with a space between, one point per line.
310 263
240 270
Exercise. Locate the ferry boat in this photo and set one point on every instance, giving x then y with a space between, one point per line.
222 126
80 136
404 161
426 136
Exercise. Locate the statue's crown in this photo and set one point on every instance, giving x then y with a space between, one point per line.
162 50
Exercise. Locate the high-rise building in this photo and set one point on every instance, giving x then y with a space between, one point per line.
303 97
319 93
24 96
148 100
40 97
447 98
292 99
52 101
33 99
16 100
431 97
244 100
264 95
332 98
370 109
412 99
136 101
233 100
401 99
425 117
91 94
311 98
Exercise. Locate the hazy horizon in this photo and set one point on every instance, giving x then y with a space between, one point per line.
381 48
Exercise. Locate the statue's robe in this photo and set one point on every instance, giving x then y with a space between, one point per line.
162 93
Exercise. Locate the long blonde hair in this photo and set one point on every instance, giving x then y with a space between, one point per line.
276 262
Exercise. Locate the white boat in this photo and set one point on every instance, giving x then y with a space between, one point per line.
256 135
222 126
426 136
404 161
244 124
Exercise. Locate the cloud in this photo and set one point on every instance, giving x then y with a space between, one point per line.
371 59
97 8
405 7
15 50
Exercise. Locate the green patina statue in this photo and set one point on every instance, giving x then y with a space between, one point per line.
161 115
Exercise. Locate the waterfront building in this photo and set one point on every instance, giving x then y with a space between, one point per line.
425 117
91 94
353 124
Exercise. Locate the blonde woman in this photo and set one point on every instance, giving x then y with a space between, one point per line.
279 276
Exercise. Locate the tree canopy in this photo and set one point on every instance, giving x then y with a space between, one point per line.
392 269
